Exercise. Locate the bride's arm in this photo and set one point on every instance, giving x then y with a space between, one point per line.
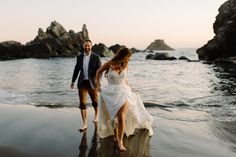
99 72
126 79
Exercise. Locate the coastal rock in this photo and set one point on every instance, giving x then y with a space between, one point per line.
38 50
115 47
55 42
160 56
183 58
223 44
230 62
60 43
11 50
158 44
102 50
41 34
134 50
56 30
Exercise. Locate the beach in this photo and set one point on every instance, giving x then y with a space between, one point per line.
193 105
27 130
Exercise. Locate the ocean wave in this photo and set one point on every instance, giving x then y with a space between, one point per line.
180 114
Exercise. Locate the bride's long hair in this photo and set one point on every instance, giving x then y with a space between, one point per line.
121 59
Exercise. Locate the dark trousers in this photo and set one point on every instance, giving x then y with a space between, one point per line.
84 90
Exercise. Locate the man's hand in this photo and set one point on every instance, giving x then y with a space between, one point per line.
72 85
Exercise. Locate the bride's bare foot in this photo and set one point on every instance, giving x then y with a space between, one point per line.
121 147
83 128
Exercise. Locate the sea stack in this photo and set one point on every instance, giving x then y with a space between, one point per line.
158 44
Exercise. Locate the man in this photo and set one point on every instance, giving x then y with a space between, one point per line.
87 65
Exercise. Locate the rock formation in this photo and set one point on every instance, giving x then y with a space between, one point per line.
223 45
160 56
158 45
55 42
134 50
11 50
115 47
102 50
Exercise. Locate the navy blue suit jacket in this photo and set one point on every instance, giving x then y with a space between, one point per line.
94 65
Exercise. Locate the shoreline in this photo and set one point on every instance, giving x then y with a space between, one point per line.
39 131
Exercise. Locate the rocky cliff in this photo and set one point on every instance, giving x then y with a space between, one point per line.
223 45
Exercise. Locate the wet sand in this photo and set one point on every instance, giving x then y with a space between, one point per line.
41 132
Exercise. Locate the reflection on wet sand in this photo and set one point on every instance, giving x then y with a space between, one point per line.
9 151
83 147
136 145
225 131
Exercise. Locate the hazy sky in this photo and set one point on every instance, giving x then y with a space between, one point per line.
134 23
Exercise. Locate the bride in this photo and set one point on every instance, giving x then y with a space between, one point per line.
120 110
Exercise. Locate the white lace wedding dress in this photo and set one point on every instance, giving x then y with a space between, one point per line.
111 99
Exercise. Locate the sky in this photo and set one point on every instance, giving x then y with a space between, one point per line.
134 23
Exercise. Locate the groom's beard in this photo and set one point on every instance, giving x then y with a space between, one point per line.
87 51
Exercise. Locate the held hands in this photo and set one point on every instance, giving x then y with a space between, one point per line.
98 86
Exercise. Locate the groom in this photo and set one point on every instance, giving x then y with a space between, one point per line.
87 65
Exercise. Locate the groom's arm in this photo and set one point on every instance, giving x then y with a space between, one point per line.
76 72
99 63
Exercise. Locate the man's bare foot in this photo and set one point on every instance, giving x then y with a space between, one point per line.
121 147
83 128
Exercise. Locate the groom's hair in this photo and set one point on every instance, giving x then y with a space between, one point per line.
87 40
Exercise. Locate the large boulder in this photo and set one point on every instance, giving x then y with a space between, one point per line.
38 50
102 50
158 44
134 50
11 50
223 44
183 58
160 56
116 47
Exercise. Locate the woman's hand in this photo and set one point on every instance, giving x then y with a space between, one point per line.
98 86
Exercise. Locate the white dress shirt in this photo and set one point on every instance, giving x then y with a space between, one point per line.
86 65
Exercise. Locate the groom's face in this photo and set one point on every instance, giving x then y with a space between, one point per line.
87 47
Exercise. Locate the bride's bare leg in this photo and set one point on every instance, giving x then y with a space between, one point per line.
121 125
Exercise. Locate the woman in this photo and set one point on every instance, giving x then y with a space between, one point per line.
120 110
